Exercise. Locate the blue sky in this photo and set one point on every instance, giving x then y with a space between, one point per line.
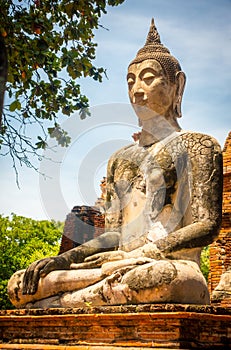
198 34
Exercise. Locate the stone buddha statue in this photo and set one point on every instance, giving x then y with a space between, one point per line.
163 205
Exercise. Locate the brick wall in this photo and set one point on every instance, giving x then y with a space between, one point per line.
220 250
84 222
147 326
81 225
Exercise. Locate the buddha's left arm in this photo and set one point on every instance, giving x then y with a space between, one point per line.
202 219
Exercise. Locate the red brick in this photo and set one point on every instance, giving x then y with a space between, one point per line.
220 250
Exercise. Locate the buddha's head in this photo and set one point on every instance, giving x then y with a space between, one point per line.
155 80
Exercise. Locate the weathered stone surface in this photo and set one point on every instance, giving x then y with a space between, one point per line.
134 327
163 204
122 309
54 283
223 289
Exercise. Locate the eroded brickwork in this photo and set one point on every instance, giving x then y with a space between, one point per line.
220 250
81 225
146 326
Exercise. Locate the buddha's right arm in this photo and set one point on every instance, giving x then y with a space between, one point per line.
106 242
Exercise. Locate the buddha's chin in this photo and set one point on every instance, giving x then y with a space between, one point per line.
143 112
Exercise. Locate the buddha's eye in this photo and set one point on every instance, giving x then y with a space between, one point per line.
131 81
148 77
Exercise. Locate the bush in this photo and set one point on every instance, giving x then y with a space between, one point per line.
22 241
205 262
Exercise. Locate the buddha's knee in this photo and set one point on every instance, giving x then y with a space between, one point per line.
150 276
190 286
14 288
167 281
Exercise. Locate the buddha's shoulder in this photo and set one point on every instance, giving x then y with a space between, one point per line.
197 136
193 139
132 147
190 142
125 153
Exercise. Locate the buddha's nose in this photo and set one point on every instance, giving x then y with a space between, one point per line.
139 96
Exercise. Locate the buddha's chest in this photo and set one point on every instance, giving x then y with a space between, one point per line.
144 173
153 188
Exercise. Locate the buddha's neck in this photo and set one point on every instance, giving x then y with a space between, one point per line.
156 129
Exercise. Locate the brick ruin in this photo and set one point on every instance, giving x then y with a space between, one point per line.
87 222
84 223
220 250
133 327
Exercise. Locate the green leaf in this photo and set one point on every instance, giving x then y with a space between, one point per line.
15 105
71 72
66 110
69 8
41 143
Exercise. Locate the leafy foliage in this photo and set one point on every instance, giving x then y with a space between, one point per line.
205 262
50 45
22 241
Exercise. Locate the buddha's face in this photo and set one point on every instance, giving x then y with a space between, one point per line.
150 91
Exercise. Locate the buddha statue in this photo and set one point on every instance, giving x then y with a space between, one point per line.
163 205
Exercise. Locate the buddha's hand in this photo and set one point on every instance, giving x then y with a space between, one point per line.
148 250
41 268
99 259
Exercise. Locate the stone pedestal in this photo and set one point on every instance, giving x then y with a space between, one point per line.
118 327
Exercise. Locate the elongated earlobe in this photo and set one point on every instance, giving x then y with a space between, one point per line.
180 84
